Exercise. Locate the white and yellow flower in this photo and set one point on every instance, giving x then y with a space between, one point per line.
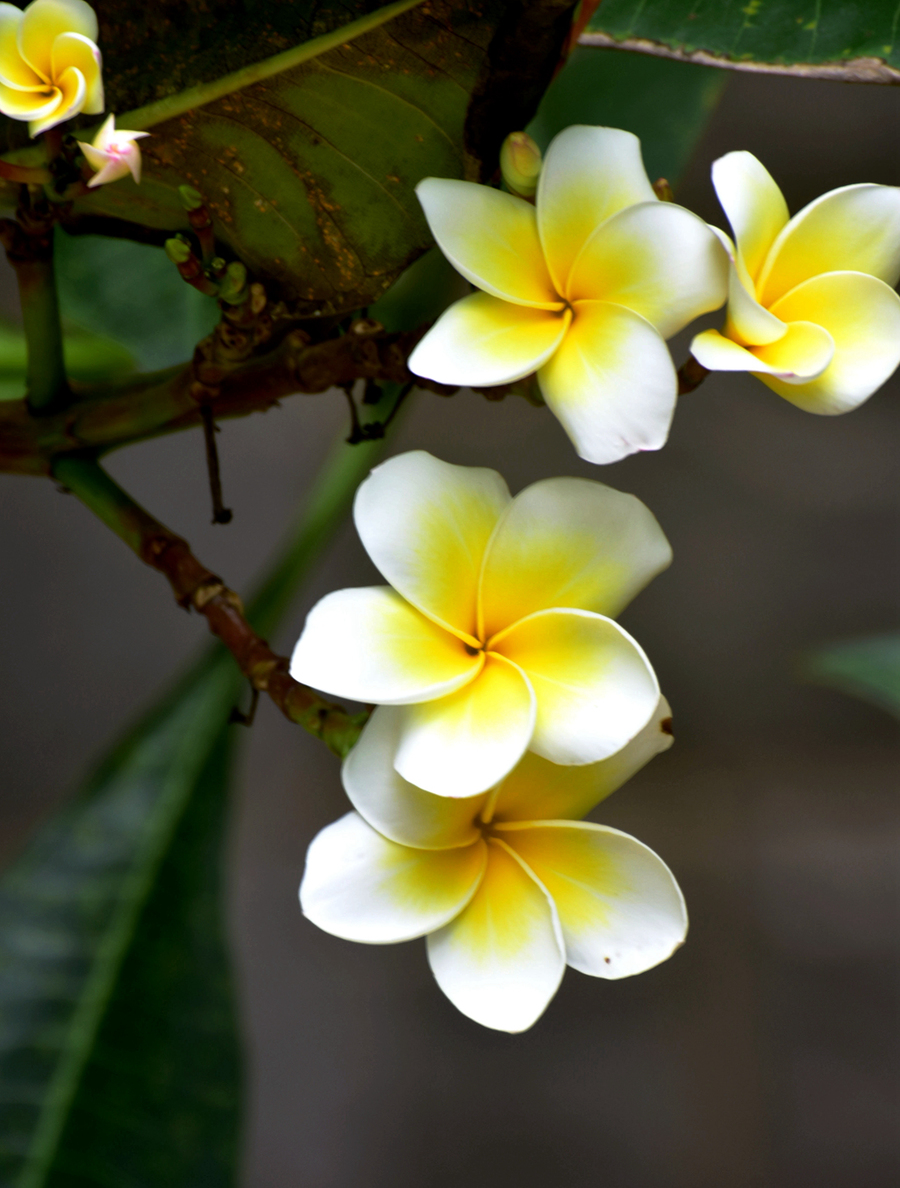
113 154
509 887
494 633
811 306
50 66
582 288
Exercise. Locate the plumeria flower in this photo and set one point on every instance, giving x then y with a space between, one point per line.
582 288
509 887
50 66
494 632
811 308
113 154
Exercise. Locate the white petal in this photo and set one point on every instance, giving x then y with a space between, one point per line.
862 315
611 383
396 808
425 524
465 743
362 887
594 686
853 229
569 542
538 790
371 645
481 341
589 174
754 204
804 351
44 20
747 322
619 907
491 238
657 259
501 960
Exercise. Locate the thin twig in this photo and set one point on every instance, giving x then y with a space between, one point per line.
691 375
197 588
221 513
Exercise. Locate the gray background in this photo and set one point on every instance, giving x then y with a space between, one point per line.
766 1051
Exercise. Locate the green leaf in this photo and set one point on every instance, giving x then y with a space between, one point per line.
666 104
117 1049
310 174
816 38
133 294
79 915
868 668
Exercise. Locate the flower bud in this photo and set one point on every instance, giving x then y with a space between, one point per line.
191 199
233 289
520 164
178 250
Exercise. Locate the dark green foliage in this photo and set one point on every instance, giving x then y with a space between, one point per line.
666 104
868 668
133 294
781 31
310 175
159 1098
116 1032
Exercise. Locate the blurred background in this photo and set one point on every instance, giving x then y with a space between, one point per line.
767 1051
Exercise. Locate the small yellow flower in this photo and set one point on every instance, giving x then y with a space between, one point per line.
811 307
113 154
509 887
494 634
583 288
50 66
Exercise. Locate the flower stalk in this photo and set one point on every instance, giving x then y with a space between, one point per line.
31 256
198 588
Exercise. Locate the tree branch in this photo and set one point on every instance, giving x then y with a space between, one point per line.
196 587
102 418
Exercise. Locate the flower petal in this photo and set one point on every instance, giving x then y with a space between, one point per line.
28 105
589 174
72 49
538 790
371 645
746 321
72 90
426 523
619 907
804 351
754 204
862 315
855 229
491 238
480 341
594 686
362 887
396 808
657 259
14 70
465 743
43 21
500 961
611 383
569 542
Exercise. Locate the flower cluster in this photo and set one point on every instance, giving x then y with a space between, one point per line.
583 287
509 704
50 66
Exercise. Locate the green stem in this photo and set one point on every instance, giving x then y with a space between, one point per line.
48 388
